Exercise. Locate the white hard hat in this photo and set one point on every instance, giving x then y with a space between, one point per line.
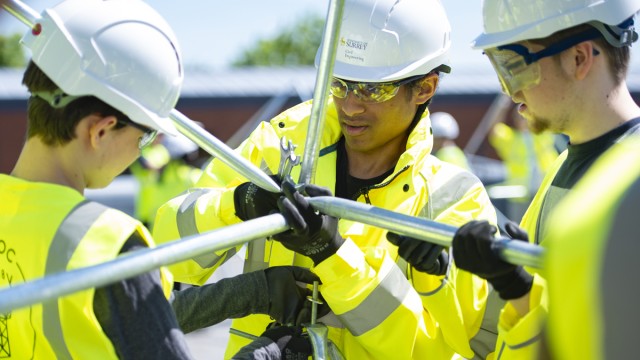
510 21
120 51
388 40
444 126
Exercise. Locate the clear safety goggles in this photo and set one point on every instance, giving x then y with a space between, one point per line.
518 69
368 92
148 136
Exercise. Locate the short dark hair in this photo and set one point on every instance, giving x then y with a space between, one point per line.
56 126
618 57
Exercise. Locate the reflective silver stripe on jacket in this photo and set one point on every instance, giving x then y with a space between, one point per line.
255 256
186 221
379 305
449 192
446 193
64 244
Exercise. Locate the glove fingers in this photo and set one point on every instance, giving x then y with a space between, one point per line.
516 232
292 215
303 274
429 253
407 249
394 238
314 190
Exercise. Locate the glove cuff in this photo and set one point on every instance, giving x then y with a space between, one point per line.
513 284
329 250
238 200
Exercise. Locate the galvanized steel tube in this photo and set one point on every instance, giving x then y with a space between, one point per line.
221 151
512 251
138 262
321 91
22 12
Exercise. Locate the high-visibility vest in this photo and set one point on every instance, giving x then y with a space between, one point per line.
46 229
454 155
527 157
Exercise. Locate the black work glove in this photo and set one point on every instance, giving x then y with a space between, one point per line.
312 234
293 344
251 201
423 256
474 251
288 302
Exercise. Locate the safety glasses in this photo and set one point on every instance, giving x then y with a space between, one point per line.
148 136
368 92
518 69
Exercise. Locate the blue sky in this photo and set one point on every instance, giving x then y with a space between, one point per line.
213 32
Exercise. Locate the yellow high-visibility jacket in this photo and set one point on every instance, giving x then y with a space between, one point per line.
454 155
380 314
518 156
592 249
45 229
518 337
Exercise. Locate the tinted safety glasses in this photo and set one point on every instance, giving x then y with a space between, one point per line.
148 136
368 92
518 69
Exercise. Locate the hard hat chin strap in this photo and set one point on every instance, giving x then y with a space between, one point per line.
57 99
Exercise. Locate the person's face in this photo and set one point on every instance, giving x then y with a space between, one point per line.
369 127
540 87
117 148
544 105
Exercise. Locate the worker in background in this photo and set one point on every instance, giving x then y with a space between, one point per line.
85 126
567 75
445 132
164 170
527 156
375 148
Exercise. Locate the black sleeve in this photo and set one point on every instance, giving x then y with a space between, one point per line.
239 296
137 317
261 348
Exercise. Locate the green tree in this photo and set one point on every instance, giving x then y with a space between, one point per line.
11 53
296 45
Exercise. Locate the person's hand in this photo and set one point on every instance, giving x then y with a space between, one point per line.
293 344
251 201
423 256
311 234
288 302
474 251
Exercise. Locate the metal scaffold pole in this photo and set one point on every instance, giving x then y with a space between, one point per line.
512 251
138 262
321 92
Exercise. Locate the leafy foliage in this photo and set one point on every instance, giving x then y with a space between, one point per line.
11 52
293 46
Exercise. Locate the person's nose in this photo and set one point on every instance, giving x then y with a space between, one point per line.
351 105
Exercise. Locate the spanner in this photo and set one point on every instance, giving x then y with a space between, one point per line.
288 158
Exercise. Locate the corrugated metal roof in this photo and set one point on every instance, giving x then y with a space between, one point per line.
264 81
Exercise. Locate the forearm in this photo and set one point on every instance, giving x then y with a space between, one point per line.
235 297
374 301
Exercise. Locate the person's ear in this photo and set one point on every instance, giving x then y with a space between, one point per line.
583 57
99 126
426 88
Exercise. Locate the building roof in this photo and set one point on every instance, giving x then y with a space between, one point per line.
267 82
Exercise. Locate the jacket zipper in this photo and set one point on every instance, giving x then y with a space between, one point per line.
365 190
